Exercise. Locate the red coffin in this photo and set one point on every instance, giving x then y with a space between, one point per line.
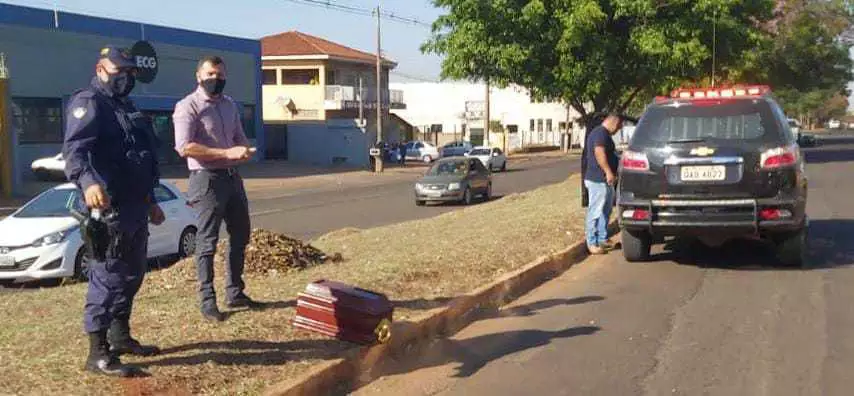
346 312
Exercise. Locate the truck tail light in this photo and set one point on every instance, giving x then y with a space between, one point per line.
636 214
780 157
774 214
634 161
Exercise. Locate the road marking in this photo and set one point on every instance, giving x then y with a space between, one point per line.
317 205
265 212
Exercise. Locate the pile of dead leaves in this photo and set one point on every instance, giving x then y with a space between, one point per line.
270 252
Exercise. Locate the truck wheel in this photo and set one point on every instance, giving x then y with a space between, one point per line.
636 245
791 249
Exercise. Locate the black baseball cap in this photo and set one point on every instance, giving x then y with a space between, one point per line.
121 57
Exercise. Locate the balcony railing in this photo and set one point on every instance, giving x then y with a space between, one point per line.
341 97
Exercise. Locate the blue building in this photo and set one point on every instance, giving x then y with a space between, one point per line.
50 54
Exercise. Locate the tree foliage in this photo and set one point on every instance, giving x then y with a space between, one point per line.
602 52
610 55
807 62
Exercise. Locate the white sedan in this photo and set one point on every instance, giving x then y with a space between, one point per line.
49 168
492 158
422 151
41 240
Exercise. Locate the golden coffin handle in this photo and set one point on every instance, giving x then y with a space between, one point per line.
383 331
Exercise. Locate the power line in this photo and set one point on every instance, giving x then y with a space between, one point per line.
413 77
335 5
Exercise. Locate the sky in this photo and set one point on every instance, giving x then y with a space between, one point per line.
258 18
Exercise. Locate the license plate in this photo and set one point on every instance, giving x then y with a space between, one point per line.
704 173
434 193
7 261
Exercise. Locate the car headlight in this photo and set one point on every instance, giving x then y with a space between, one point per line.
454 186
51 239
419 186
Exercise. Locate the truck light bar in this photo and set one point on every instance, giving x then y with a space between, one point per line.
714 93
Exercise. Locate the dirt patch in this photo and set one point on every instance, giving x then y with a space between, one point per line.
420 265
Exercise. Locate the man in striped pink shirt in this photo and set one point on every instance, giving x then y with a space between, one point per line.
209 134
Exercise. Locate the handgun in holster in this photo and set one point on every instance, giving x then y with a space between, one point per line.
96 233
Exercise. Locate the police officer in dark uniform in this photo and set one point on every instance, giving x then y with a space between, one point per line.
110 152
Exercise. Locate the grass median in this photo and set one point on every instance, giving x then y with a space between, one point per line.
420 265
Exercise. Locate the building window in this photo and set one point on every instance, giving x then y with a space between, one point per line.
540 125
532 125
268 77
512 128
38 120
249 121
561 126
548 125
330 77
300 76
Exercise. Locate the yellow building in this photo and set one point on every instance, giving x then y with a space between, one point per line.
320 99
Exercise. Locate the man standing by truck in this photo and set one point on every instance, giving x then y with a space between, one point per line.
600 177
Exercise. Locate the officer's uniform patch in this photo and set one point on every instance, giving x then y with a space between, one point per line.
79 112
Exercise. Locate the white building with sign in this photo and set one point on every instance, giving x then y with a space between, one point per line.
456 111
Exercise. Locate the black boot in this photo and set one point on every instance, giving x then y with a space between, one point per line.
121 342
100 361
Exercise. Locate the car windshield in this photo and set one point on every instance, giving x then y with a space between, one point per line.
479 152
53 203
727 120
448 168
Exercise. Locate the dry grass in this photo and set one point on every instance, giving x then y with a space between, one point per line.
419 264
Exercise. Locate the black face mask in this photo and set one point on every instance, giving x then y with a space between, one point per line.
213 86
120 84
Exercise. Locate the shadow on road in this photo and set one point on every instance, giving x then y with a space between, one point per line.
829 155
474 353
831 245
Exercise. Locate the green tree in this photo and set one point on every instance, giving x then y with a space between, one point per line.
607 53
807 62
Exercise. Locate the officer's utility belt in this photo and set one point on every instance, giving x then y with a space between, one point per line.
223 171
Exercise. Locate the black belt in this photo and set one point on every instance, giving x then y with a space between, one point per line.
222 171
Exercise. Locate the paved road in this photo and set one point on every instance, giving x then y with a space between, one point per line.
308 215
725 322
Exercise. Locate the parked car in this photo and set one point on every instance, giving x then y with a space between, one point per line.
455 179
714 169
49 168
493 159
806 140
41 240
455 149
421 151
834 124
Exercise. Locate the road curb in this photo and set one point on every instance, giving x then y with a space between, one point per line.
355 368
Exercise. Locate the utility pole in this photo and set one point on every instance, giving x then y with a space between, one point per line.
486 117
361 103
379 95
6 138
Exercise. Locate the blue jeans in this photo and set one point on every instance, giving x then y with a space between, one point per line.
600 202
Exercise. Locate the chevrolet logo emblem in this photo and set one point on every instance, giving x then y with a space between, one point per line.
702 151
